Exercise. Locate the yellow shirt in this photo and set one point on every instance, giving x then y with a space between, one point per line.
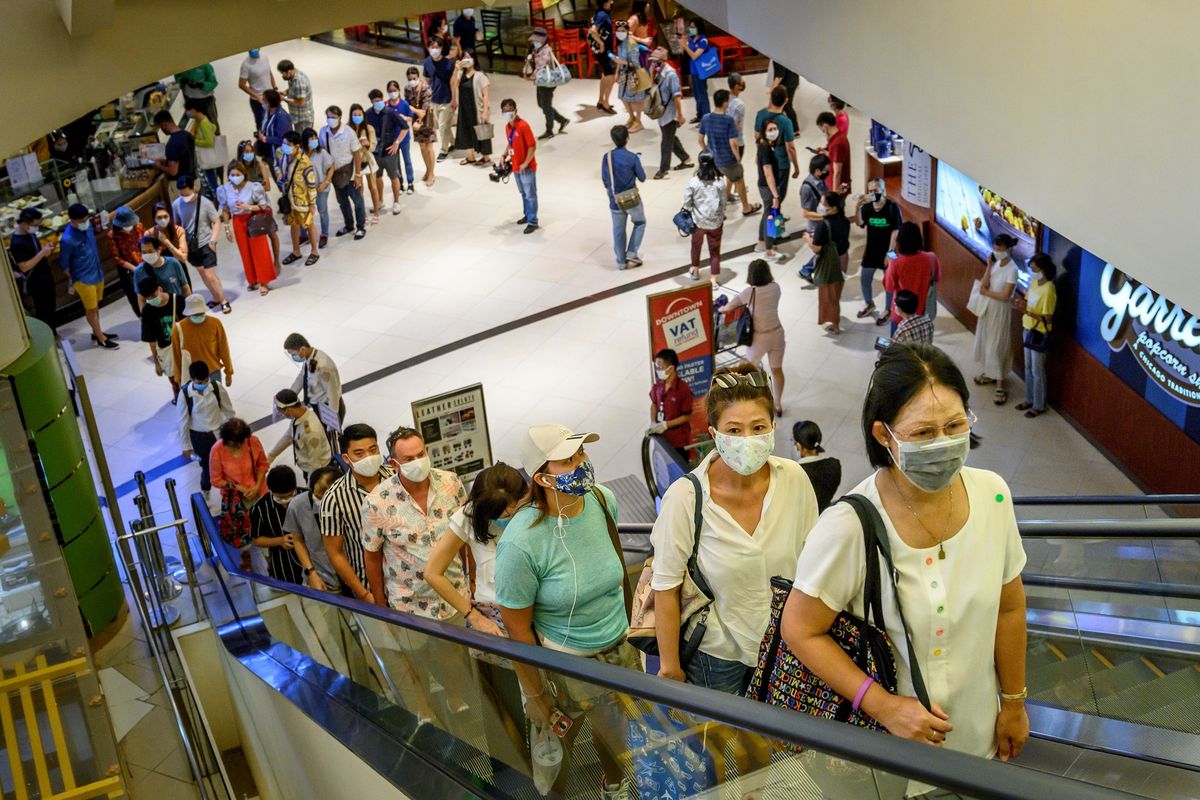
1041 298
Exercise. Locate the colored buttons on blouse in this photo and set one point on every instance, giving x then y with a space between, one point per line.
941 609
929 562
937 652
933 584
939 631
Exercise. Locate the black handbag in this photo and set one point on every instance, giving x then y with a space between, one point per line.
745 331
780 678
199 255
1037 341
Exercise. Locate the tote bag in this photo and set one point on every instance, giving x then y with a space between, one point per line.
213 157
707 65
976 303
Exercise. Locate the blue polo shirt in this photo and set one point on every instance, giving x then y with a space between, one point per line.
626 172
438 73
718 128
78 256
387 124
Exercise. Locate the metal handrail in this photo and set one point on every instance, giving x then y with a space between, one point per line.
1109 500
1063 529
1148 588
959 772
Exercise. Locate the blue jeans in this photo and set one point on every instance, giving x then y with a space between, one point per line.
931 302
527 186
717 673
404 151
866 279
346 196
700 93
323 211
621 249
1035 379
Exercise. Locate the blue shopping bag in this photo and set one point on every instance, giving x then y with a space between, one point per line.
707 65
670 760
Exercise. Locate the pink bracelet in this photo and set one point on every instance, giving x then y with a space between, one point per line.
862 692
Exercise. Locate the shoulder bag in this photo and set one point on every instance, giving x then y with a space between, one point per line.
285 193
630 198
615 538
695 597
708 64
216 156
745 330
199 255
261 223
781 679
552 74
684 223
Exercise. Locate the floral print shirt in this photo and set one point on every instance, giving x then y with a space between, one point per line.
392 522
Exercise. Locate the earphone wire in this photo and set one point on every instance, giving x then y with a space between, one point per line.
561 535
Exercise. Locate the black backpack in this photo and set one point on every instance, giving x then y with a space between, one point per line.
187 396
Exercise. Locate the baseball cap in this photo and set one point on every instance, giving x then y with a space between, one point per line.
194 305
551 442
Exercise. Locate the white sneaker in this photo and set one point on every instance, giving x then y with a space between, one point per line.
614 791
395 208
758 248
776 256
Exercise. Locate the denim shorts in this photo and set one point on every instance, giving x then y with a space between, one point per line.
717 673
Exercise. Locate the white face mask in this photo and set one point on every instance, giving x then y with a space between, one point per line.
745 455
187 198
1000 255
367 466
509 116
393 95
468 12
435 53
236 180
412 83
162 223
82 226
332 122
151 258
468 63
661 374
622 36
416 471
772 135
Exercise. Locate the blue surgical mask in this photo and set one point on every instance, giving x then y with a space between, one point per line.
198 318
333 122
254 53
377 105
691 31
356 119
287 149
200 386
502 523
247 157
578 481
312 144
299 359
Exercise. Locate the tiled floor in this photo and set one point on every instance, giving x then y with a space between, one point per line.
452 264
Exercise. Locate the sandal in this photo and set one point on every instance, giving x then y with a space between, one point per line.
983 380
466 161
658 176
754 209
226 308
778 411
1023 406
312 259
1000 397
1033 412
291 258
685 165
264 290
866 312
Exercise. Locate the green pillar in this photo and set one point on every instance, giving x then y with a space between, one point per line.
49 416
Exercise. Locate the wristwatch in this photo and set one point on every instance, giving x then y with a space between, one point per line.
307 571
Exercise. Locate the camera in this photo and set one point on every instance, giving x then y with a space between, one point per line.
501 172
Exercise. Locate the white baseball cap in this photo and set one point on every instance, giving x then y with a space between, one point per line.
551 442
194 305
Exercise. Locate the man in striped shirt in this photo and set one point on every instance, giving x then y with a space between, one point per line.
341 508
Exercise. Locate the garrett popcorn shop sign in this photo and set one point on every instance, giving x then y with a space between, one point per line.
1163 337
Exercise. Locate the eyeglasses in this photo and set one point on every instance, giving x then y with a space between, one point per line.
925 433
728 380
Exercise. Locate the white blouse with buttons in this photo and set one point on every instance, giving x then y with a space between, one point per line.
951 604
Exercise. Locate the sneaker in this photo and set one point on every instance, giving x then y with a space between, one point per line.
411 189
443 156
546 135
530 228
324 239
395 208
107 344
343 232
562 126
614 791
769 256
758 248
359 234
523 221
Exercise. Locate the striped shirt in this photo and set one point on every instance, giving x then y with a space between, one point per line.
341 515
266 520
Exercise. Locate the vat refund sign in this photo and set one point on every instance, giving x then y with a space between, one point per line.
682 320
1164 338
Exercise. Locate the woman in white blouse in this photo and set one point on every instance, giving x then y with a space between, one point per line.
756 509
993 334
958 557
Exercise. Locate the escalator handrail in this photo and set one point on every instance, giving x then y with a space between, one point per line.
1150 588
976 777
1062 529
1109 500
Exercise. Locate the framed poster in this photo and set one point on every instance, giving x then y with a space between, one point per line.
454 427
682 320
918 175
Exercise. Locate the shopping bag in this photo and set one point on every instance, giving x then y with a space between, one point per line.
670 756
707 65
214 157
976 303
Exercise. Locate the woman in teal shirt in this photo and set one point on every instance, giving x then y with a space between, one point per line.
560 581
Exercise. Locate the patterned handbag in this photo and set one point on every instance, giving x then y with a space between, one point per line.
781 679
234 522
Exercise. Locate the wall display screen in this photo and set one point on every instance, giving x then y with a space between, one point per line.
974 215
1148 341
454 427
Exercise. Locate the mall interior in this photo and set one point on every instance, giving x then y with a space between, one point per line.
318 445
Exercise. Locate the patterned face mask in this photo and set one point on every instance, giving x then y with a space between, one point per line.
745 455
578 482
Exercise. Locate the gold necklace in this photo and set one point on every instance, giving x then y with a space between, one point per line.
949 514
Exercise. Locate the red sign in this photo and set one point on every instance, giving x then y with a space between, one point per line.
682 320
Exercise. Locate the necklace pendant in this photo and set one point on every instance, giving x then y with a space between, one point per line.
941 552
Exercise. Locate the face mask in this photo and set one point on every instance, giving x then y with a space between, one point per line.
299 359
82 226
236 180
163 222
157 301
254 54
578 481
283 501
367 466
931 466
199 387
435 53
1000 254
661 374
538 41
416 471
394 95
509 116
312 144
412 83
468 63
622 36
187 198
468 12
745 455
198 318
151 258
877 195
691 31
332 122
126 228
247 157
772 135
377 105
822 208
356 119
287 149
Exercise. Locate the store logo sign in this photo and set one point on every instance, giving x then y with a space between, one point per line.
683 327
1163 337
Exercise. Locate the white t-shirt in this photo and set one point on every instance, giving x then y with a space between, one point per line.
257 71
484 555
951 605
738 566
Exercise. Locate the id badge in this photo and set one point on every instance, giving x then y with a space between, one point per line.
560 723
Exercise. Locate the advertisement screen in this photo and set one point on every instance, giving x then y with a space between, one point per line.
974 215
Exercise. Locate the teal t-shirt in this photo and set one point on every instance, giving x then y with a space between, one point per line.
534 568
786 133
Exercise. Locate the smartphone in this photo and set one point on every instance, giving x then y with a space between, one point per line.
811 149
882 343
560 723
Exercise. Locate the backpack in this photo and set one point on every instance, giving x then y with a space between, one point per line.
655 105
187 396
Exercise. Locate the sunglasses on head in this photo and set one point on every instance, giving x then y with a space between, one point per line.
728 380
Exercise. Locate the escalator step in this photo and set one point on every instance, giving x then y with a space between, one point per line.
1182 715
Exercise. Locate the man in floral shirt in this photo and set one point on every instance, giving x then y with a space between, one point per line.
403 518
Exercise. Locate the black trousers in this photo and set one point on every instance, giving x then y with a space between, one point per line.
125 278
259 112
350 196
670 142
39 285
202 445
545 101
